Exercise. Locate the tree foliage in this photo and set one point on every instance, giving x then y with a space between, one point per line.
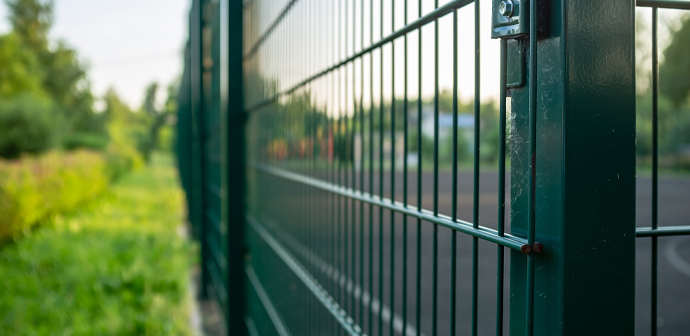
41 67
157 116
27 125
674 72
20 68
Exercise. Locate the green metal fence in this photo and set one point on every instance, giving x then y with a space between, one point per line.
322 209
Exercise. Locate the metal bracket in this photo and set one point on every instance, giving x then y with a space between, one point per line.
510 20
515 63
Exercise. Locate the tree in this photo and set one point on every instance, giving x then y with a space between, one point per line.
157 117
63 78
27 125
675 70
31 20
20 69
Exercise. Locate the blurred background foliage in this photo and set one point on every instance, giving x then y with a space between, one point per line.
56 139
303 126
674 97
46 96
108 258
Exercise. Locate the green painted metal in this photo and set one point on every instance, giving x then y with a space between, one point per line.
655 167
232 149
500 263
284 153
454 193
671 4
663 231
587 230
655 231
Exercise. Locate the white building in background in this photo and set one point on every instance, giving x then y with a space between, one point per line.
445 125
445 130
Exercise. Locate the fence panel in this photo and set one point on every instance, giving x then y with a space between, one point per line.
381 194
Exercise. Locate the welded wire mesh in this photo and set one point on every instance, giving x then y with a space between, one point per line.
654 231
362 170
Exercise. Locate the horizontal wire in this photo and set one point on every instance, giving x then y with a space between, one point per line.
321 294
670 4
662 231
510 241
441 11
273 314
270 30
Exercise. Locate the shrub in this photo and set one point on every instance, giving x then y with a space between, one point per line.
28 124
121 159
114 267
122 154
83 140
32 188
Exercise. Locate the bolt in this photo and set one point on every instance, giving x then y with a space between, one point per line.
506 8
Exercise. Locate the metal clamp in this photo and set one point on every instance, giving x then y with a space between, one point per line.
510 21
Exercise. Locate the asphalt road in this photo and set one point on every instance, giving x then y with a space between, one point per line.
298 215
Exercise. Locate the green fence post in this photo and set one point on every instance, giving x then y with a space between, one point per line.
197 211
582 117
233 185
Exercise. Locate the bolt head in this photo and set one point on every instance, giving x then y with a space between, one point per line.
505 8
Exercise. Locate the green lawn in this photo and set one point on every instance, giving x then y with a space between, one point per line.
115 267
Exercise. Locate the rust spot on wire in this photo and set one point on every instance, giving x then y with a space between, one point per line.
538 247
526 249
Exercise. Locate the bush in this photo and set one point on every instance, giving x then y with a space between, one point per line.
28 124
122 154
121 159
165 139
116 266
32 188
81 140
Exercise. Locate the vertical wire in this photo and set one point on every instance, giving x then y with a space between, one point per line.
361 171
533 165
331 154
351 157
343 152
302 161
305 145
418 284
380 324
313 102
501 188
337 151
405 136
329 158
371 168
655 164
454 193
392 212
434 289
477 119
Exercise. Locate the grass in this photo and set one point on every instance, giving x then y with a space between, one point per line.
115 267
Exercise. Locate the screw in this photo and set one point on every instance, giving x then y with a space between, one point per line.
506 8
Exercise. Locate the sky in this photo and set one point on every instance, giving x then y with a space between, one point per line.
126 44
282 55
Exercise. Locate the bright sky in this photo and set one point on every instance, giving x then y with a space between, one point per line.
283 55
131 43
127 44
